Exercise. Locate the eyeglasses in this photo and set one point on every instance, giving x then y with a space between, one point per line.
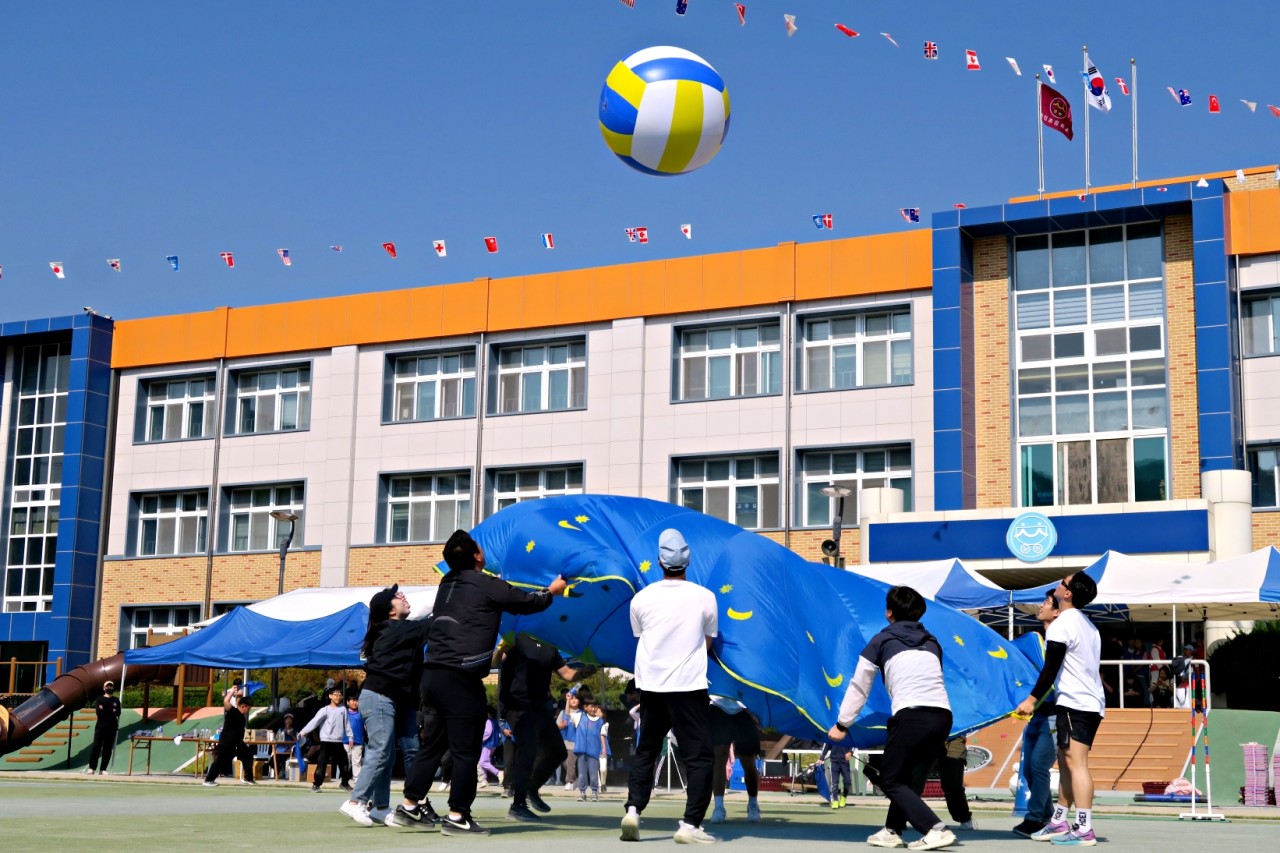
401 596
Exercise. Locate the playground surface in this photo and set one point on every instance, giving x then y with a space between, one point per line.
58 812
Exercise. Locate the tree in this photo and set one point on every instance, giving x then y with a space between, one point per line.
1246 667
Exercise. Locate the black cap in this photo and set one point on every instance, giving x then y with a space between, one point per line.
380 604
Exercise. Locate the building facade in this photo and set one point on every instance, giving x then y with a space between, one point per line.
1103 363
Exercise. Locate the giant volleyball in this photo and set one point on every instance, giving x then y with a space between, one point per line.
664 111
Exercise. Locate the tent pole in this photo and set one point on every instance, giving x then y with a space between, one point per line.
1010 617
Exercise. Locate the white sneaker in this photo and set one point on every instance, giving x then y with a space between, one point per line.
687 834
753 812
568 786
718 814
379 816
631 826
357 812
969 824
934 839
886 837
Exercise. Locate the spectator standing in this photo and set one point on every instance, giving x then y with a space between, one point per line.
675 621
733 726
333 728
836 757
231 743
491 740
286 739
1039 747
567 722
590 745
1071 668
909 660
105 730
355 746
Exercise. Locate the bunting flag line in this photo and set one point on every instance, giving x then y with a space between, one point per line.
742 13
336 248
790 22
173 261
971 60
631 235
630 4
1 270
850 33
682 6
642 233
890 38
56 266
491 245
1095 86
1013 63
1252 105
229 258
1055 111
910 214
284 257
930 50
1214 106
114 263
1275 111
438 245
1123 84
390 248
1182 96
1048 72
687 231
548 242
1162 189
823 220
1240 176
1202 183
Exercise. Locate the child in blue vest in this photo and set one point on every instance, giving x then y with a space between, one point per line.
589 745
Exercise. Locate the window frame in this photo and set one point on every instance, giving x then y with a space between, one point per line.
303 389
859 340
138 527
1253 295
1252 453
680 487
389 500
855 480
145 405
682 355
229 511
393 381
575 390
133 637
494 495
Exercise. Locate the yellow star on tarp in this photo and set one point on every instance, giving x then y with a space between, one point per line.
529 547
726 589
956 637
581 518
645 566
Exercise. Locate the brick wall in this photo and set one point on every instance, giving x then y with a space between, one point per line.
1184 421
992 345
808 543
383 565
1266 529
1260 181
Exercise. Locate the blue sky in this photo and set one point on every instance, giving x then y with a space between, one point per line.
143 129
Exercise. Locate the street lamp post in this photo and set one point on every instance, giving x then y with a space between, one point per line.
831 547
292 518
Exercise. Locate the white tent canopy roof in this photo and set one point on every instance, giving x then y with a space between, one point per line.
314 602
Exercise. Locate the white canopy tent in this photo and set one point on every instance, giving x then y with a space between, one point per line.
300 605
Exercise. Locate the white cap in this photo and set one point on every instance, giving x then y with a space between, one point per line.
673 551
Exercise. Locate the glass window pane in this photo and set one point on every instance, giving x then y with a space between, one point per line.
745 469
1037 475
534 356
1035 416
259 531
875 363
531 400
768 516
818 368
1036 347
1033 380
1068 259
1262 466
747 507
449 402
1106 254
877 324
1075 472
1149 371
558 389
1110 375
1144 339
818 330
1073 414
1108 304
289 411
1069 345
718 470
1146 300
1149 409
446 519
420 521
556 479
719 338
1033 310
719 368
1072 377
1111 341
695 341
695 378
509 393
749 336
1149 470
1031 263
1113 471
691 499
1145 252
1110 412
1069 307
718 503
746 382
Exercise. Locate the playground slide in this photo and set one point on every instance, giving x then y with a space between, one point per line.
65 695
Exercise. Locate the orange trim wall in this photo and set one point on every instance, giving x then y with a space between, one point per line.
882 263
1253 222
1186 179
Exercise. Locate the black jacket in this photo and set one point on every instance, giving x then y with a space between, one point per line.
464 625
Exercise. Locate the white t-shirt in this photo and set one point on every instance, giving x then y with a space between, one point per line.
673 620
728 705
1079 684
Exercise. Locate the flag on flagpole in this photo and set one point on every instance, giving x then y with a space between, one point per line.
336 248
1214 106
687 231
1095 86
930 50
491 245
642 233
971 60
548 242
1252 105
390 249
439 246
56 266
1013 63
910 214
173 261
1048 72
790 22
1055 111
284 257
850 33
742 13
114 263
890 38
229 258
960 205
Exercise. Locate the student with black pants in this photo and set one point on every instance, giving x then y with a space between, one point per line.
104 733
231 742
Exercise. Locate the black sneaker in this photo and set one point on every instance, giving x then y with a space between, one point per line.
425 806
535 800
521 812
464 825
1028 828
414 817
346 786
316 789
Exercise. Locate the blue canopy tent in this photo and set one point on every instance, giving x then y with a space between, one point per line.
949 582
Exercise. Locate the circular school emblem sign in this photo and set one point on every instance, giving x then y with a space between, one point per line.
1031 537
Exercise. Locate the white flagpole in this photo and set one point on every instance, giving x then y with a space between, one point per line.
1040 137
1133 82
1084 51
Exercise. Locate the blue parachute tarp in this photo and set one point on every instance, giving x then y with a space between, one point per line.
244 639
790 631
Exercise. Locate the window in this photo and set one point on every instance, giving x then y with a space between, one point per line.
1090 364
855 469
728 361
252 526
427 507
179 408
433 386
40 423
741 490
511 486
542 377
1260 321
158 620
1264 466
855 350
276 400
173 523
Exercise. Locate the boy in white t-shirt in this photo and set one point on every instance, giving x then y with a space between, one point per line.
1073 649
675 621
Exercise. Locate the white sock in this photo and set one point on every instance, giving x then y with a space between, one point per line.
1082 820
1059 813
719 802
632 810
